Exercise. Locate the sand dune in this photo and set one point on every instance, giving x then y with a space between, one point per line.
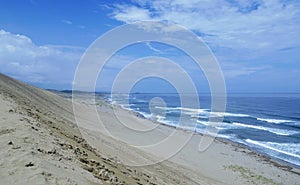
41 144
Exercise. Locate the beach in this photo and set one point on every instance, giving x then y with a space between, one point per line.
42 144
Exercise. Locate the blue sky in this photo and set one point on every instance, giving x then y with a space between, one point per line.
257 42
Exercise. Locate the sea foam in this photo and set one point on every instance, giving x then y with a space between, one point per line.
276 121
291 149
272 130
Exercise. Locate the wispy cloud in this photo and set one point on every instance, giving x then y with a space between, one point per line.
257 24
81 26
233 70
66 21
153 48
252 39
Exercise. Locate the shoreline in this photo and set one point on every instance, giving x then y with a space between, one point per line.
267 158
221 139
241 166
282 164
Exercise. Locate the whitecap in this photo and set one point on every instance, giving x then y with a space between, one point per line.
272 130
182 108
291 149
276 121
228 114
203 122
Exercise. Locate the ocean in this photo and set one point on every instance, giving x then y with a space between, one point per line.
267 123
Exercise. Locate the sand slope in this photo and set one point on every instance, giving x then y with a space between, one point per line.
41 144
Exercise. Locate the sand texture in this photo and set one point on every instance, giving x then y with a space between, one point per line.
41 144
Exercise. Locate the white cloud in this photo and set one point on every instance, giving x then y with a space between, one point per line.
131 13
23 59
256 25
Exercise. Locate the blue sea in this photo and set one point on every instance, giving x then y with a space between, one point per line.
267 123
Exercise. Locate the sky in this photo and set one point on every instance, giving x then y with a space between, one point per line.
256 42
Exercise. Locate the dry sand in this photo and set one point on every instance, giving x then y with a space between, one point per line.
41 144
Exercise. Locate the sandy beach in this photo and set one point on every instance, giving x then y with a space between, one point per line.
41 144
